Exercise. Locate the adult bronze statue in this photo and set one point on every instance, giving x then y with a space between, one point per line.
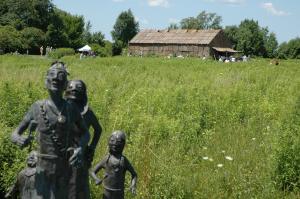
115 165
55 118
79 183
24 186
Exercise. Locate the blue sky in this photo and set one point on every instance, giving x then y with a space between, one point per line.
281 16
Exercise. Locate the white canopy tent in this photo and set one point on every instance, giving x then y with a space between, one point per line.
85 48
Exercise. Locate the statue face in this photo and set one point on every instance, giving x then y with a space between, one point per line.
32 159
76 90
56 80
116 142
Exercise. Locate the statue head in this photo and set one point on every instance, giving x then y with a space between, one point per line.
32 159
56 78
116 142
76 90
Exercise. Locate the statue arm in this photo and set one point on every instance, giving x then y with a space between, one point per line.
17 136
96 169
96 136
133 176
97 131
77 157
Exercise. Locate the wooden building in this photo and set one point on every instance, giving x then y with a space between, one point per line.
184 42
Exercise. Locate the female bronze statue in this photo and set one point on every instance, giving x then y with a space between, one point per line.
79 183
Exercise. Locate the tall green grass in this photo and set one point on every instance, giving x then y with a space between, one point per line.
195 128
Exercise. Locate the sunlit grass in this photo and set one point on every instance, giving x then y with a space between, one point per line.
196 129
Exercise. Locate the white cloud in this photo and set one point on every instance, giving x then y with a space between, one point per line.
233 2
270 8
155 3
228 2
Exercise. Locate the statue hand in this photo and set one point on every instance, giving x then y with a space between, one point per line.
76 158
8 195
133 189
98 181
21 140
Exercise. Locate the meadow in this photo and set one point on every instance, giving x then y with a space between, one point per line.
195 128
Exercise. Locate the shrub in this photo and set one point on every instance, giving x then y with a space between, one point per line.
287 173
60 52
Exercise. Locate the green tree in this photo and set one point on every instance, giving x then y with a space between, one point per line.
173 26
33 38
26 13
125 28
231 33
290 49
204 20
271 45
251 38
190 23
73 28
10 39
98 38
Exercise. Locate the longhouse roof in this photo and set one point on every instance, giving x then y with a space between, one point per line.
177 36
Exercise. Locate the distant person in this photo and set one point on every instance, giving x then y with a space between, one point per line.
115 165
41 50
24 187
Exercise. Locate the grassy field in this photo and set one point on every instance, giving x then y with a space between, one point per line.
195 128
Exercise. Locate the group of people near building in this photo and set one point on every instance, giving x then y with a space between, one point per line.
60 166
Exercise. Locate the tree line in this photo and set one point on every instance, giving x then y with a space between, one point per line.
248 37
25 25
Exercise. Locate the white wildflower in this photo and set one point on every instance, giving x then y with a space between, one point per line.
220 165
228 158
205 158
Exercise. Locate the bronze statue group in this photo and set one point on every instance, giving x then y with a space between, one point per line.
60 166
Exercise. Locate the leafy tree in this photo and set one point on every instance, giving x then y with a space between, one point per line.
125 28
231 33
117 48
290 49
87 35
10 39
251 38
271 45
73 28
103 51
33 38
204 20
173 26
190 23
25 13
98 38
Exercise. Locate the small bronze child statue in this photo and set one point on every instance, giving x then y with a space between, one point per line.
115 165
24 187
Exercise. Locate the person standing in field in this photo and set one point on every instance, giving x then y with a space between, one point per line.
41 50
76 93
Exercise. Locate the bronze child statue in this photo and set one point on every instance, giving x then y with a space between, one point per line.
115 165
54 118
76 93
24 187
